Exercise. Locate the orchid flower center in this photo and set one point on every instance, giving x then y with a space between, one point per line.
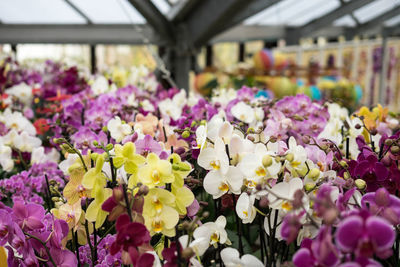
223 187
246 213
287 206
214 237
250 183
155 176
157 225
81 191
215 164
260 171
157 204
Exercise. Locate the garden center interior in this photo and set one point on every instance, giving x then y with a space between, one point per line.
200 133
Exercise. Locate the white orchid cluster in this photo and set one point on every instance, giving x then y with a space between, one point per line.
244 165
21 137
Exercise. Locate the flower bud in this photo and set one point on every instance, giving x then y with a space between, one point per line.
330 215
273 139
94 156
395 149
357 126
346 175
360 184
388 142
185 134
309 186
250 130
104 129
95 143
314 173
193 124
205 214
59 140
175 167
187 253
251 138
344 164
267 161
306 139
264 203
373 131
180 150
143 190
109 147
298 118
134 137
290 157
67 148
184 167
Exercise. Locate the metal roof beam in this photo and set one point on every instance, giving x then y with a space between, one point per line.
327 19
181 10
210 14
75 34
77 10
155 18
253 8
376 22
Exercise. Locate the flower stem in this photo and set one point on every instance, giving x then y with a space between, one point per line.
45 247
238 224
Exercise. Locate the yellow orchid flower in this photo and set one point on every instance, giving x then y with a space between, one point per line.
180 170
94 179
183 198
69 213
126 155
163 222
94 212
156 172
74 190
158 213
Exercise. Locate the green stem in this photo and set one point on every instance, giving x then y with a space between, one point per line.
45 247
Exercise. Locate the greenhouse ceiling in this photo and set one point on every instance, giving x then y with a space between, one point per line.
195 22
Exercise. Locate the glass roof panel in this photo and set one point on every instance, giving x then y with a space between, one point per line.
162 5
374 9
345 21
393 21
37 12
109 11
293 12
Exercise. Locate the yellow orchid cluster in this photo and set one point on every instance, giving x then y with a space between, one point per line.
161 207
374 116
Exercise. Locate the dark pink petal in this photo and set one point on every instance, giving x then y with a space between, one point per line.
349 232
146 260
380 233
303 258
122 221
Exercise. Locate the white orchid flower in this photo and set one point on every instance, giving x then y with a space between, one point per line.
214 158
296 156
199 245
26 143
217 183
117 129
22 92
258 165
214 232
282 194
6 160
245 208
231 258
39 155
243 112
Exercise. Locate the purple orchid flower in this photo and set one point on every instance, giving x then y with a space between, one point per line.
148 145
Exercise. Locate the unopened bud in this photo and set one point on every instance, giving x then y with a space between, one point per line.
357 126
267 161
118 194
143 190
193 124
273 139
395 149
344 164
250 130
134 137
382 197
94 156
298 118
67 148
251 138
109 147
104 129
184 167
205 214
309 186
175 167
187 253
373 131
360 184
290 157
306 139
388 142
346 175
185 134
59 140
264 203
95 143
314 173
